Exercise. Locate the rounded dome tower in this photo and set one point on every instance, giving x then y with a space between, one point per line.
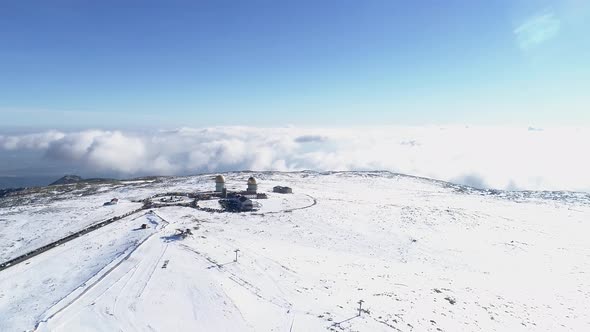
219 183
252 185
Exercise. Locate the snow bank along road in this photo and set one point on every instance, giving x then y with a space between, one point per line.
28 255
423 255
63 240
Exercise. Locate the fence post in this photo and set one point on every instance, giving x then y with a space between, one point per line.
360 306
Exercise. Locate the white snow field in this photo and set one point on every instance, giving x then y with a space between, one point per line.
423 255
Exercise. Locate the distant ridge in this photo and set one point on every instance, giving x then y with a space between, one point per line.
71 179
67 179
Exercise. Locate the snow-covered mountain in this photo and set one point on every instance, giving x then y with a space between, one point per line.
422 255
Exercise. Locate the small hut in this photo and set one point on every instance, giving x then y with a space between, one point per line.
282 190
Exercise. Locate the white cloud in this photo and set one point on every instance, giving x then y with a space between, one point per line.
498 157
31 141
127 154
537 29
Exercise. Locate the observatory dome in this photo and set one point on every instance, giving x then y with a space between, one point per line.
219 179
251 180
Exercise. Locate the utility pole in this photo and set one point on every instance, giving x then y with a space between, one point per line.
360 306
236 251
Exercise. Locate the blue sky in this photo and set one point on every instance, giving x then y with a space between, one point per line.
118 64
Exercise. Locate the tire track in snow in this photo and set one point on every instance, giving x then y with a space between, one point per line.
153 269
314 202
102 277
256 291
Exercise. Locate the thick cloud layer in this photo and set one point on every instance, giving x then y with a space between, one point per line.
496 157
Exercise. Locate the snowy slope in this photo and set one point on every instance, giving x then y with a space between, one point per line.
422 255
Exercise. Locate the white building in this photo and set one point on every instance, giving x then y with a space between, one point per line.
252 186
282 190
219 183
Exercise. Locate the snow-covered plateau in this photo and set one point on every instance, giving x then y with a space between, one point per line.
422 255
